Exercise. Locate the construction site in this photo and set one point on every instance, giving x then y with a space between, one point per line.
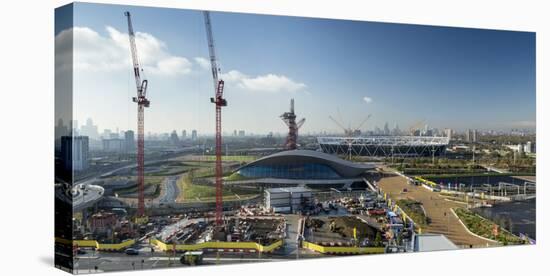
203 233
299 197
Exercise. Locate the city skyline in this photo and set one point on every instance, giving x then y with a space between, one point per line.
448 77
107 133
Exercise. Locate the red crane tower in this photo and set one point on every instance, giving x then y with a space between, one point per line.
290 120
219 101
142 103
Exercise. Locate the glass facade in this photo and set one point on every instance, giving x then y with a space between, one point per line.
290 171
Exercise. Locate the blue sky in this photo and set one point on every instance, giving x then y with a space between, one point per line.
447 77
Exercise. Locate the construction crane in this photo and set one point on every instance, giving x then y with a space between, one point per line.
142 103
351 131
363 122
219 102
290 120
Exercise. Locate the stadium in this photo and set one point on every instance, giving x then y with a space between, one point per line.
301 168
385 146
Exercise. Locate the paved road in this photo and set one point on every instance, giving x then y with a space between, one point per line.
105 261
85 195
170 191
82 202
436 207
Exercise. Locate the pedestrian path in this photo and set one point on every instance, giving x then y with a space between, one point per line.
437 209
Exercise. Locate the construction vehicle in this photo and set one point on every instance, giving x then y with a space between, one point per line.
192 258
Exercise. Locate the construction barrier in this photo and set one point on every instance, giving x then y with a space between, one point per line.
217 245
104 246
344 250
424 181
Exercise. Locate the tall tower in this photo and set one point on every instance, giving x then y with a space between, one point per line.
290 120
142 103
220 102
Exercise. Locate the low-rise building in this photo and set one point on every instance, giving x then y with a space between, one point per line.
288 200
432 242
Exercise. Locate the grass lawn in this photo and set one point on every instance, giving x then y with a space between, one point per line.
192 192
484 227
149 181
236 177
414 211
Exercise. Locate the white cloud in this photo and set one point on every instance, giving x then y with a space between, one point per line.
172 66
265 83
111 52
367 99
233 76
202 62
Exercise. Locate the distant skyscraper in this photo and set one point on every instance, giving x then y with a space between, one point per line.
234 132
129 140
241 133
449 133
386 129
468 135
61 129
474 135
194 134
396 131
75 152
74 125
174 139
183 134
89 129
427 131
106 134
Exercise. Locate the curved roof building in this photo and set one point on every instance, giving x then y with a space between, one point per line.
302 167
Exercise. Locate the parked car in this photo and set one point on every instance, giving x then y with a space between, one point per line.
131 251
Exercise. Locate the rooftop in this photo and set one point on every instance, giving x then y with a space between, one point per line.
288 190
432 242
344 168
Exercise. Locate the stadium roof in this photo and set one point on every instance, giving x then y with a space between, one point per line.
342 167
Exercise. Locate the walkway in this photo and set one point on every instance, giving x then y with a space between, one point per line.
437 208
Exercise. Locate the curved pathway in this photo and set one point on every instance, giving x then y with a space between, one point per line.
437 208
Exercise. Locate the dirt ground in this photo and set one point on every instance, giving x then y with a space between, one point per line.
345 224
436 207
